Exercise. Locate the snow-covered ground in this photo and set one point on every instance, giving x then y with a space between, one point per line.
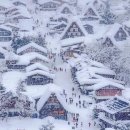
62 79
32 124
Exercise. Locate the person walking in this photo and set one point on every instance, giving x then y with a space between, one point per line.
89 124
94 123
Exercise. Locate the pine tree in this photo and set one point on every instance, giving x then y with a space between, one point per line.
108 17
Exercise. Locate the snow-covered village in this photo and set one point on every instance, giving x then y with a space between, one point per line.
65 64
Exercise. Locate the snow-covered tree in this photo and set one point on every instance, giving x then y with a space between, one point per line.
112 57
107 17
49 126
18 42
24 106
103 54
122 68
20 87
40 40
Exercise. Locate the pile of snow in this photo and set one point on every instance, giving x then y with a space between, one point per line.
11 80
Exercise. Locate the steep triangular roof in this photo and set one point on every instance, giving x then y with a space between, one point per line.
65 9
108 42
113 30
90 11
73 30
32 44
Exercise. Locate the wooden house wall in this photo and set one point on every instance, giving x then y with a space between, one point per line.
4 32
32 49
36 60
5 35
16 67
2 9
108 42
5 39
61 19
66 10
109 91
19 3
38 79
123 115
11 62
48 6
2 56
53 107
89 29
120 35
90 12
73 31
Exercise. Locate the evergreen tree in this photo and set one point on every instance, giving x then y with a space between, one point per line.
40 40
18 42
107 17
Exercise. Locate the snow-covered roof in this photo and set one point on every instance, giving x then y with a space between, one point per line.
2 50
109 129
41 72
6 28
11 25
57 90
80 25
59 16
114 105
113 30
101 71
25 24
48 90
127 23
5 3
84 80
91 6
62 7
83 59
37 66
72 41
26 58
105 83
89 71
15 12
24 12
23 2
88 75
31 44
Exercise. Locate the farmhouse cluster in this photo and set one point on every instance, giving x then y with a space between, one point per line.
33 51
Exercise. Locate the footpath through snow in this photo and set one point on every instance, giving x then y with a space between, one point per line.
64 80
